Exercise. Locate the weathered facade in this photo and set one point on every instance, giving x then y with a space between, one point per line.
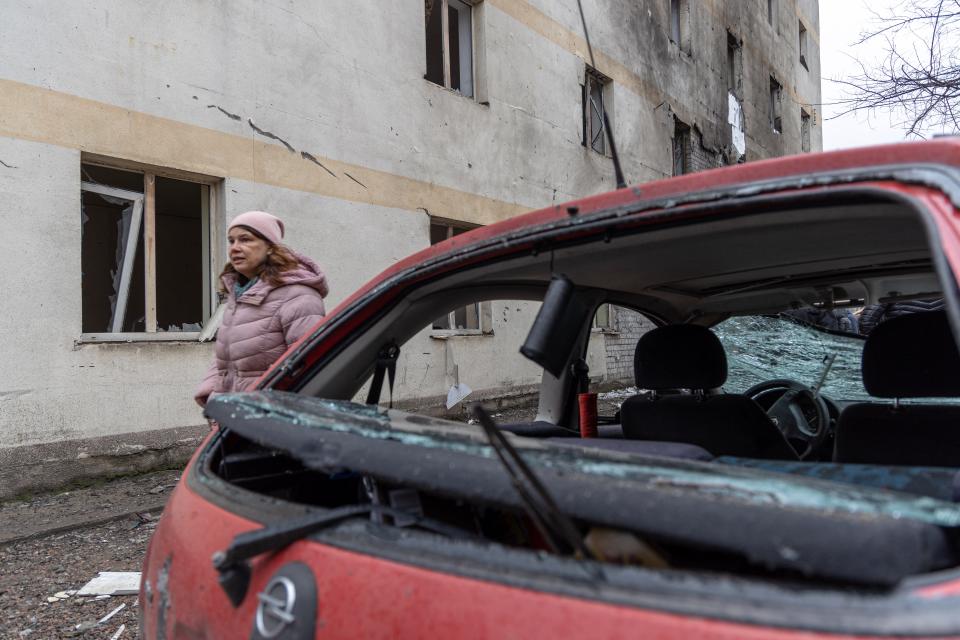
349 122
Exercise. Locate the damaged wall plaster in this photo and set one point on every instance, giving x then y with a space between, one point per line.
281 137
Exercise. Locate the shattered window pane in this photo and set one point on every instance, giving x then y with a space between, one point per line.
593 111
105 228
118 178
115 228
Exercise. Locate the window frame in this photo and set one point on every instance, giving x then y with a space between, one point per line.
473 47
593 79
483 308
804 45
680 147
734 65
609 325
806 131
776 105
212 222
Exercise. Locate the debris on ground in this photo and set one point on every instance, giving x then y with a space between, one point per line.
112 583
53 562
106 501
112 613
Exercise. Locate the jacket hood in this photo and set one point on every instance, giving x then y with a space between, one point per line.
307 273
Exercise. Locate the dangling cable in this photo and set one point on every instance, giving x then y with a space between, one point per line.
618 172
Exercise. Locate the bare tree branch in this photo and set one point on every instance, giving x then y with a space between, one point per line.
919 75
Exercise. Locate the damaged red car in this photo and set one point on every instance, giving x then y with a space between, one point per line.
774 469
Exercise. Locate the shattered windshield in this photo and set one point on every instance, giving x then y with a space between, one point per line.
764 348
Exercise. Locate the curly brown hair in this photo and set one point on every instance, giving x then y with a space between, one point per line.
280 259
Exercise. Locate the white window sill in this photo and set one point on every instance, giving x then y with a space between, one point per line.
448 90
605 331
160 336
444 334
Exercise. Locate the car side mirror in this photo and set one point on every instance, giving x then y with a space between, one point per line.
556 327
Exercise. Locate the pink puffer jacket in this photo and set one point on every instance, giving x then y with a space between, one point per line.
258 327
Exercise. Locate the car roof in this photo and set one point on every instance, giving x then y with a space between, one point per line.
842 188
890 162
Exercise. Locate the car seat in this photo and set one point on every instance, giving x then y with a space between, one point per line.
690 357
911 356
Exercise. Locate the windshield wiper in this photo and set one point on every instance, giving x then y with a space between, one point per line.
233 563
554 525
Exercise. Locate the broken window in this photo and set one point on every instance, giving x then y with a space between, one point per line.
449 37
593 124
464 319
734 65
612 346
804 131
776 119
145 252
675 21
681 148
603 318
803 46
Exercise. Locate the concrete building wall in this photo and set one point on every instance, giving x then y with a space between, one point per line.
320 112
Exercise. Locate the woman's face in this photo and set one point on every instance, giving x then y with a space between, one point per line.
247 251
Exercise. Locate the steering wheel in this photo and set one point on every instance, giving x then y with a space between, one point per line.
802 417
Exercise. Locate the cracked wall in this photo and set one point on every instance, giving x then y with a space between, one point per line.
319 111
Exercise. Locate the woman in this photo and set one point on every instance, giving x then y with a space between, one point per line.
274 295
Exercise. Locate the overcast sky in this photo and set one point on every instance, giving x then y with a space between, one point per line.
841 21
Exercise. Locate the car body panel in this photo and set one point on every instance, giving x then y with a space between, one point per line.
367 595
361 595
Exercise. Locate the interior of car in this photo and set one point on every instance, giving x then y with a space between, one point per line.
734 373
689 279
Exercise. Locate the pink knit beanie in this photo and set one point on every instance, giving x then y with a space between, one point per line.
267 225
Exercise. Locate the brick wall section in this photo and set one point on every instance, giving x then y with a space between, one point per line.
701 158
620 345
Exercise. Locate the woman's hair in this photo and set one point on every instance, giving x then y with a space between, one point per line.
280 259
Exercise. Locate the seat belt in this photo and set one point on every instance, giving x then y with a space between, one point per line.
386 364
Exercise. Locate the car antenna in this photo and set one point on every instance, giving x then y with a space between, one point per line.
621 183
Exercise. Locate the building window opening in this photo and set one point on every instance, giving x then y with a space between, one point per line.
466 319
145 252
449 38
776 118
771 11
603 318
594 87
675 21
803 46
734 65
680 24
804 131
681 148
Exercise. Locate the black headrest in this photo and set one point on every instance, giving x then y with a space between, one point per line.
912 356
680 356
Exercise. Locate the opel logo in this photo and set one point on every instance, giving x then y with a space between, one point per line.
275 607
